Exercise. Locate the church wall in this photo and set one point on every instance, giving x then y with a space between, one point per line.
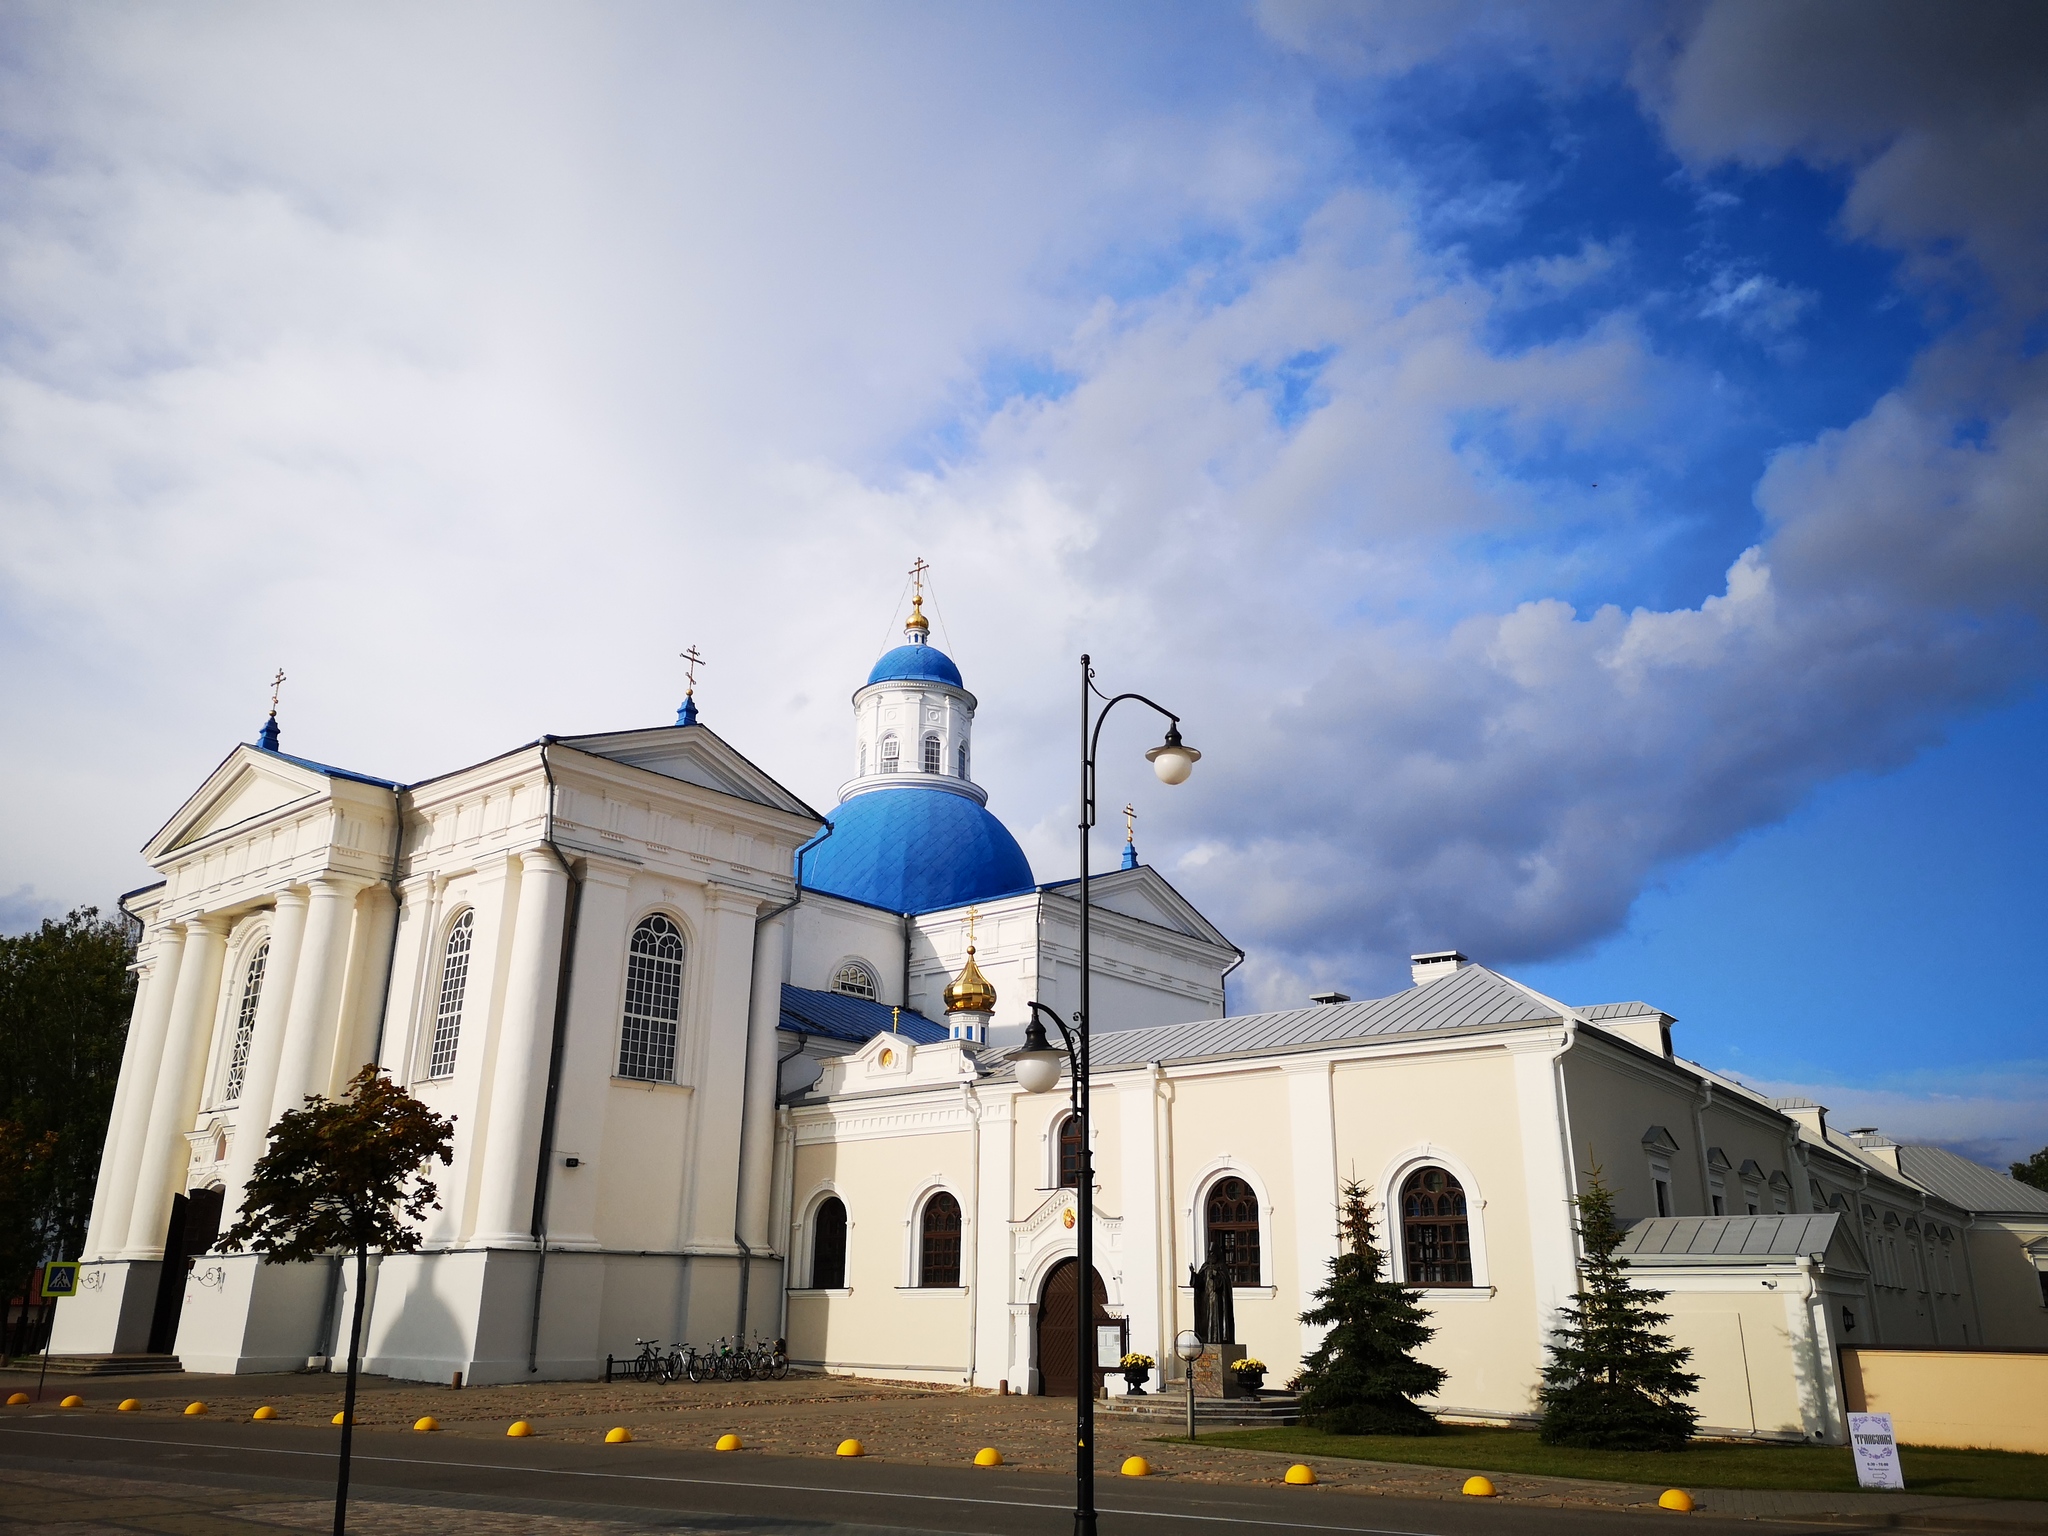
2009 1293
829 931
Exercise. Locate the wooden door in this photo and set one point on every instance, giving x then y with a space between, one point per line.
1058 1313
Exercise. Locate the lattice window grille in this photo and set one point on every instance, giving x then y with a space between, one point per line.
1233 1221
934 757
1436 1229
245 1022
939 1260
963 759
454 982
654 1001
856 980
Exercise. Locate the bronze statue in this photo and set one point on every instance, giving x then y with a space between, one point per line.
1215 1307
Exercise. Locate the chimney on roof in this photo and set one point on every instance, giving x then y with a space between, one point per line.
1811 1117
1438 962
1329 997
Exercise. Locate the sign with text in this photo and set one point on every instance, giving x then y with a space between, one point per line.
1877 1453
1109 1345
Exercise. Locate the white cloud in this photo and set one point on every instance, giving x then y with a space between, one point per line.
1997 1119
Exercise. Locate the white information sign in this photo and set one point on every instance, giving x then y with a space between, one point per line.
1109 1345
1877 1453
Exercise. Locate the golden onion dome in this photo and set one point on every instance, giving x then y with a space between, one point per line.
970 991
917 621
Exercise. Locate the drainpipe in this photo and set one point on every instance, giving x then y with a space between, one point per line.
563 973
746 1075
1223 985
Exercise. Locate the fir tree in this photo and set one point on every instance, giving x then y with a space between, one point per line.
1614 1382
1363 1378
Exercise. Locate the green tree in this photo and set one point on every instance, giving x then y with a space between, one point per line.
1363 1377
65 997
347 1174
1613 1381
2034 1170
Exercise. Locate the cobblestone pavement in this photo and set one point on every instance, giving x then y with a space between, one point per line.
916 1425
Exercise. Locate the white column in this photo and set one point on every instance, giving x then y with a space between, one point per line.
727 953
1546 1172
1144 1224
308 1046
1312 1117
266 1045
181 1064
114 1191
757 1133
519 1078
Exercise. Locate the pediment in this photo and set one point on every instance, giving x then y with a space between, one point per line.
248 787
1145 894
692 754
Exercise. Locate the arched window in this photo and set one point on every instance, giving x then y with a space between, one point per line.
245 1021
828 1245
962 755
1070 1152
454 982
855 979
939 1242
863 758
889 753
654 1000
1231 1216
934 756
1435 1234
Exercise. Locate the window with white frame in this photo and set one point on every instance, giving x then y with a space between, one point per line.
654 1001
856 978
890 753
454 983
828 1245
961 755
938 1255
1660 1148
1067 1153
245 1022
934 755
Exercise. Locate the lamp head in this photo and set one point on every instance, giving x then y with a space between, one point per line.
1036 1061
1188 1345
1173 759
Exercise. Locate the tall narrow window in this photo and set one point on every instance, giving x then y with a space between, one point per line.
1070 1152
245 1022
1232 1216
1435 1230
934 755
828 1245
889 754
962 756
863 759
654 1001
454 981
939 1245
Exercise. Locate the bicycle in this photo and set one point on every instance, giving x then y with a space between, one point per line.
645 1366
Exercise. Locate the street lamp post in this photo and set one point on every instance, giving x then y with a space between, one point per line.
1038 1071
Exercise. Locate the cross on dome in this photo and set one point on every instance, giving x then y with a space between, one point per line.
267 738
687 715
1130 836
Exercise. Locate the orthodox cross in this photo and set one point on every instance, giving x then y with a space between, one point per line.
276 683
1130 823
691 662
917 570
972 913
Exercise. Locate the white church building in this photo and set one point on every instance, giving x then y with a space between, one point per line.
722 1065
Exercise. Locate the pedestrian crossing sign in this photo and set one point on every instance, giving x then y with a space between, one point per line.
60 1279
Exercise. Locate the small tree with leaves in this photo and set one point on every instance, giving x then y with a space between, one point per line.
1364 1376
347 1174
1614 1382
2034 1170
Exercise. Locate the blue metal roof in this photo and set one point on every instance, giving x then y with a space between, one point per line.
916 664
916 850
852 1018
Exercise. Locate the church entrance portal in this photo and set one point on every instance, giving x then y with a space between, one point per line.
195 1223
1058 1312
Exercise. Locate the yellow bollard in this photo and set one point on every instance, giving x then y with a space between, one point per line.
988 1456
1674 1498
73 1401
193 1410
426 1423
852 1448
619 1436
1301 1475
127 1405
519 1429
339 1418
727 1443
264 1414
1136 1466
1479 1488
16 1399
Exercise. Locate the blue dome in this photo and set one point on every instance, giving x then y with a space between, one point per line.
916 850
917 664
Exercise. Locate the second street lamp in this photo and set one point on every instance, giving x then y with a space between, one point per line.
1038 1071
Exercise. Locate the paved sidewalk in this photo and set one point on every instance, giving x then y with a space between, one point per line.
807 1416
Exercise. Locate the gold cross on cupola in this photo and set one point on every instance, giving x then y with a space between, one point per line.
917 628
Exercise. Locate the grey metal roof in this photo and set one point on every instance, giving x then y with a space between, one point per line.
1470 999
1606 1013
1970 1185
1730 1239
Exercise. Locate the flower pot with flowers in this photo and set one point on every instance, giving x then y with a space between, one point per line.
1137 1371
1250 1374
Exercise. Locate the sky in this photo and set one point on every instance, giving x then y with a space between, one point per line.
1578 470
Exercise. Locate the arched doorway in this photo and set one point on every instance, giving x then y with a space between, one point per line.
1059 1307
